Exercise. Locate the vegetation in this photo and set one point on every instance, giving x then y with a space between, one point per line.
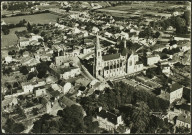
69 120
12 127
122 96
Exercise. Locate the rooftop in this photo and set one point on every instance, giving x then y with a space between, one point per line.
110 116
175 86
111 57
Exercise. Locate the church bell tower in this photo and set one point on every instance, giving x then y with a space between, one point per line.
97 66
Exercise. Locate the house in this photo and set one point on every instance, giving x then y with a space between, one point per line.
56 87
25 54
8 59
55 95
166 69
176 92
27 87
40 91
183 121
69 72
124 35
51 79
9 102
183 109
153 59
81 90
66 86
23 42
107 120
95 29
83 81
65 101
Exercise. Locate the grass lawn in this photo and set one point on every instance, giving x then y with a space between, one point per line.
10 39
44 18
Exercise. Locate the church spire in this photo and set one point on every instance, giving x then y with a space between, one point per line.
97 41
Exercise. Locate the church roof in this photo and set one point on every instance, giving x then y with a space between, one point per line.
124 52
111 56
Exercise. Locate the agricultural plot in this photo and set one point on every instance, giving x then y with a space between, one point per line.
44 18
10 39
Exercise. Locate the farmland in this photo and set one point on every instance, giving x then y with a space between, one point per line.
37 18
8 41
138 9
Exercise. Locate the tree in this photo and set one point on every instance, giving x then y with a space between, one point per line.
29 27
12 127
31 75
156 35
5 29
140 117
186 16
42 69
42 33
35 31
24 70
35 111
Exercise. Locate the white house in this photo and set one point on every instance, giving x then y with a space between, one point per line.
70 72
27 87
23 42
151 60
95 29
166 69
108 120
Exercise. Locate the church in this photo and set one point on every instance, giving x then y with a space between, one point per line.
115 65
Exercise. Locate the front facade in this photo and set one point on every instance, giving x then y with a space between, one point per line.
115 65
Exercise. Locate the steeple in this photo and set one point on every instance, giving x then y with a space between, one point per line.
97 42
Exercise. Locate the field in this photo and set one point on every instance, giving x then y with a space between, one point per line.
44 18
137 9
8 41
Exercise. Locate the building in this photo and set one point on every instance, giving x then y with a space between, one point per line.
66 86
176 92
40 91
70 72
151 60
23 42
108 120
183 121
115 65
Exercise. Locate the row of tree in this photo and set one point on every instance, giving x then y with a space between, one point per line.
181 23
6 28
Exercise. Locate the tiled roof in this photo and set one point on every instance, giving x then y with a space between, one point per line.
111 57
175 86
